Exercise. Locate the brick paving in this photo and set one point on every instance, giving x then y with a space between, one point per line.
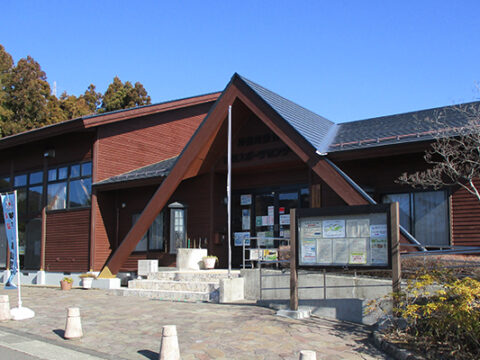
130 328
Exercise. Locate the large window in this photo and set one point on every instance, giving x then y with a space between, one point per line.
69 186
424 215
153 239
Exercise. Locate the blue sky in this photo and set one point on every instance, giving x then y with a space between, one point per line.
345 60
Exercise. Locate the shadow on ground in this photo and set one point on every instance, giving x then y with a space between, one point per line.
149 354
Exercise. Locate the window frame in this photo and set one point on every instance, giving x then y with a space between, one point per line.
411 197
147 235
68 179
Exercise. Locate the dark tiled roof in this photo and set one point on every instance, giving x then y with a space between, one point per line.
156 170
402 128
316 129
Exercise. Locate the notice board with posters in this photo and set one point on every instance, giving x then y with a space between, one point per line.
350 236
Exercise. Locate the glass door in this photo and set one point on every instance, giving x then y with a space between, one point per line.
286 201
265 218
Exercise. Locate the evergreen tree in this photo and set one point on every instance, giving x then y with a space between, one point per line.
123 96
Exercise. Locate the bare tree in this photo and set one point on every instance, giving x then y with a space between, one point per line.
454 156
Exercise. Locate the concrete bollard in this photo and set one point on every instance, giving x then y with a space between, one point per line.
4 308
308 355
169 346
73 328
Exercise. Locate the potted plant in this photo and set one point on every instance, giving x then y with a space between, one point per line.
66 283
209 261
87 280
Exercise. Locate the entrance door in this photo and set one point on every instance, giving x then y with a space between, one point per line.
266 213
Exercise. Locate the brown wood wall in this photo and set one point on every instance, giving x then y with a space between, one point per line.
68 148
67 244
465 218
104 227
131 144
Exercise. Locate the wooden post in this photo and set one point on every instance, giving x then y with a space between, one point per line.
395 238
293 262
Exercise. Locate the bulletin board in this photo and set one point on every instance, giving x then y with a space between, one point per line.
352 237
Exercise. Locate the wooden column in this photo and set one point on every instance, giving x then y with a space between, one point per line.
315 196
293 262
395 238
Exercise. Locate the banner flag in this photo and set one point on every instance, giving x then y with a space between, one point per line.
9 201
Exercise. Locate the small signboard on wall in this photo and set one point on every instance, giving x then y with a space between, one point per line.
353 237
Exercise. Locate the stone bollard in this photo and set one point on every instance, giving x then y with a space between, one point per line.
73 328
169 346
308 355
4 308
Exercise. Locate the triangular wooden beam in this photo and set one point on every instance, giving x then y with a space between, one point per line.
194 154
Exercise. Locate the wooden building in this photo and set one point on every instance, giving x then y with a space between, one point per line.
101 192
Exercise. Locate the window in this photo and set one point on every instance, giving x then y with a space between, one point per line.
153 239
69 186
424 215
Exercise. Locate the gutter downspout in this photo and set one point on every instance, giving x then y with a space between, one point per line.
370 200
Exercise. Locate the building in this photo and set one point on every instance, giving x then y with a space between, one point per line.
101 192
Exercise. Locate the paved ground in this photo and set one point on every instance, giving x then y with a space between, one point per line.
130 328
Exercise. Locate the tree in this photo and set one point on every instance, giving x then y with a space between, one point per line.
26 94
92 99
27 103
454 156
6 64
123 96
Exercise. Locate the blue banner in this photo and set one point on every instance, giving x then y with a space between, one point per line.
9 202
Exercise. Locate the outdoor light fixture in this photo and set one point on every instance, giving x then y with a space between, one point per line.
49 153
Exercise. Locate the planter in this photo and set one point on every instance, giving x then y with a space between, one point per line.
209 262
65 285
87 282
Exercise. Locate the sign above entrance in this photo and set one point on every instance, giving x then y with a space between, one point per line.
354 236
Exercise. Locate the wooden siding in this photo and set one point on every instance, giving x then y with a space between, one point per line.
67 241
465 218
134 143
104 227
68 148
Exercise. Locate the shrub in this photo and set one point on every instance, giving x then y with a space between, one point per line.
440 308
68 279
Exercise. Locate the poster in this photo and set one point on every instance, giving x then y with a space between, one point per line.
324 251
358 228
270 255
379 244
357 250
311 228
255 254
265 221
333 228
308 251
240 237
246 199
261 238
285 219
285 234
245 219
271 210
258 221
340 251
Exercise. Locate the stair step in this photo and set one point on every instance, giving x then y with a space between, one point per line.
183 296
203 275
169 285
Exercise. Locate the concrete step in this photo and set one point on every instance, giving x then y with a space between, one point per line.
183 296
169 285
201 275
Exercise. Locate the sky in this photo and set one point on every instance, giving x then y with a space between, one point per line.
344 60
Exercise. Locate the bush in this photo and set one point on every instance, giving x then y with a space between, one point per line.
442 309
